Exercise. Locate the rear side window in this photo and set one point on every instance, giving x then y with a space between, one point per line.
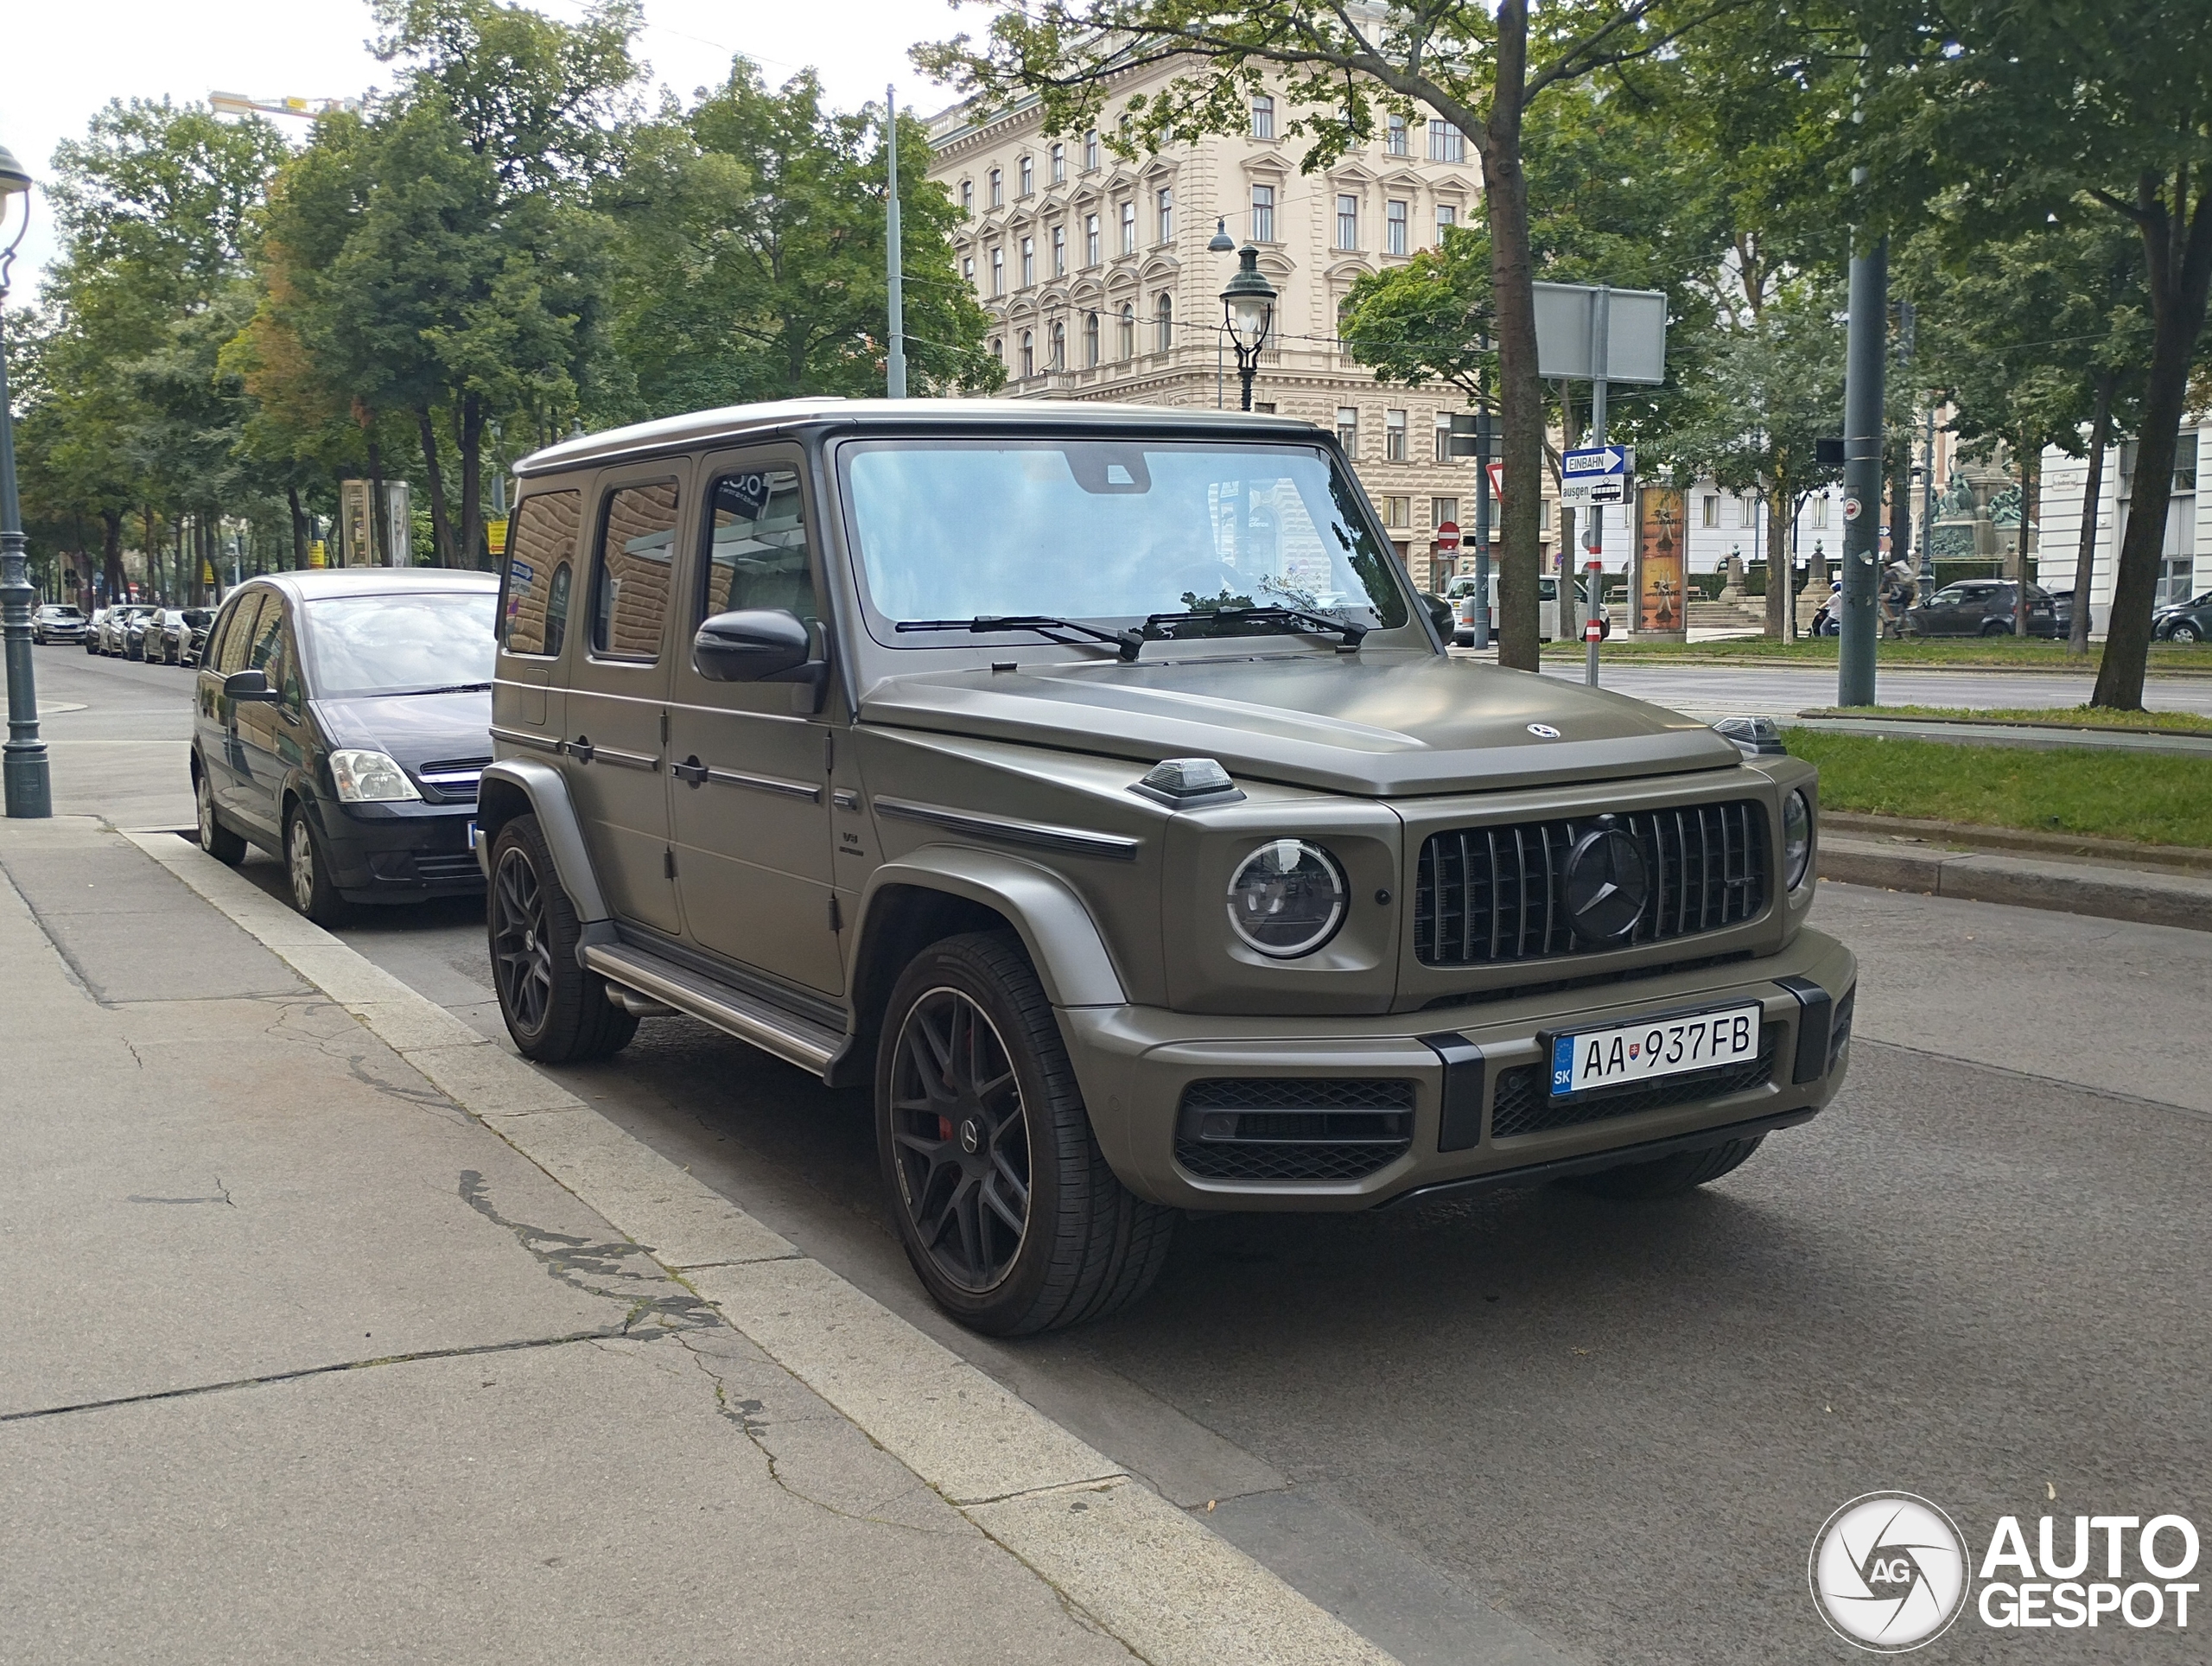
630 578
238 633
541 549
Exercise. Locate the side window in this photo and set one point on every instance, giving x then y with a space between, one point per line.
268 640
630 577
756 549
238 634
541 546
288 681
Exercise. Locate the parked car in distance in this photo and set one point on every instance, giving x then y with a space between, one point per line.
169 634
1980 606
113 629
1231 891
2184 621
195 642
340 719
1549 626
92 622
57 622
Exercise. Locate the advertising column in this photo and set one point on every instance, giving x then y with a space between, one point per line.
1661 614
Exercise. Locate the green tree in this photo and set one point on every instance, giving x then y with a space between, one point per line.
1343 68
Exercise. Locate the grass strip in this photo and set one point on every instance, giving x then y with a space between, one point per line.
2151 798
1994 653
2099 717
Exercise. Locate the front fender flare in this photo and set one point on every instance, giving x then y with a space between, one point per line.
516 786
1063 940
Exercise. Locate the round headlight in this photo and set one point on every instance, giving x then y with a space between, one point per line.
1287 898
1796 838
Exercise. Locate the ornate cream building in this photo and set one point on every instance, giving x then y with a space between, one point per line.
1097 275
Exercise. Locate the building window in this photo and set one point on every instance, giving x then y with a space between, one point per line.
1028 353
1394 436
1393 136
1347 222
1397 512
1029 261
1543 514
997 348
1127 343
1348 430
967 196
1446 218
1393 228
1089 341
1059 164
1821 512
1164 317
1090 151
1028 167
1263 118
1742 514
1059 251
1446 142
1263 213
968 269
998 271
1264 407
1708 510
1129 226
1165 197
1090 239
1444 436
1441 510
998 187
1060 350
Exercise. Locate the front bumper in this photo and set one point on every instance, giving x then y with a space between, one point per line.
400 852
1472 1078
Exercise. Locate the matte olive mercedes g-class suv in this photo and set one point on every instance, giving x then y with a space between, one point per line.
1089 780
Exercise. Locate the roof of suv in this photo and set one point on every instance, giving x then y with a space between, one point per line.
892 416
315 585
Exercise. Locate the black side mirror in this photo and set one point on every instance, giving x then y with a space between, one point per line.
249 686
753 645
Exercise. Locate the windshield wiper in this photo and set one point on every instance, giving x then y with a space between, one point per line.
1043 624
1295 618
455 687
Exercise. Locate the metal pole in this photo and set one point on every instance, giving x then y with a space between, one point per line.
894 369
1246 370
1927 510
30 793
1482 525
1600 319
1862 471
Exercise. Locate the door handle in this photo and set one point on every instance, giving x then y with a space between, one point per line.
691 771
579 749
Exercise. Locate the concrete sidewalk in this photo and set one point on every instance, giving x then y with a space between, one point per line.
305 1360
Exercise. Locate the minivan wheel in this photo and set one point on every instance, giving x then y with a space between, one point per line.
217 840
556 1012
1007 1209
307 871
1667 1176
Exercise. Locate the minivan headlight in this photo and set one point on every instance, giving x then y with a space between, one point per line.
1287 898
1796 838
369 778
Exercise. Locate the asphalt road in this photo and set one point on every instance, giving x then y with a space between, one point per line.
1537 1426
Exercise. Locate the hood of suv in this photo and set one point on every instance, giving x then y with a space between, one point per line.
1380 725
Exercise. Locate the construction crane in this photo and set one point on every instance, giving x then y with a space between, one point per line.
238 104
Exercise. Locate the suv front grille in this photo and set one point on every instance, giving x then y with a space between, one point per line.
1524 1106
1490 895
1292 1128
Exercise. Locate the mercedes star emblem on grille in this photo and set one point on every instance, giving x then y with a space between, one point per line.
1606 884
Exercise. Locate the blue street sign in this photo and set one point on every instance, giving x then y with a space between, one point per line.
1597 473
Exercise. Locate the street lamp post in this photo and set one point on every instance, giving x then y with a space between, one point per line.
1248 309
29 793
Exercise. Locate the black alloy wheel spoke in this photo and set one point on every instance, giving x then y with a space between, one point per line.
521 942
960 1140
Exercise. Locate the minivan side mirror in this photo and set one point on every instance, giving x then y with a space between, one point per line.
249 686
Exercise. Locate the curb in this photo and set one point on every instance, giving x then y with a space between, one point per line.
1143 1570
2022 882
2026 841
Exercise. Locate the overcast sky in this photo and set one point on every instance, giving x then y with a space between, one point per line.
66 58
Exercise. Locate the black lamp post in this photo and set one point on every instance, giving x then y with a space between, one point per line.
23 766
1247 308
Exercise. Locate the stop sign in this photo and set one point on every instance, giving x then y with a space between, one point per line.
1447 535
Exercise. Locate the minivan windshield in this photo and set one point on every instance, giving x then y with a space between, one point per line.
404 643
1114 530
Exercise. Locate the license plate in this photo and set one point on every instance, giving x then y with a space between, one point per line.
1657 1047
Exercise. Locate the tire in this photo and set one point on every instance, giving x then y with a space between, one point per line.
2183 631
217 840
1995 627
1085 1245
307 871
557 1013
1666 1177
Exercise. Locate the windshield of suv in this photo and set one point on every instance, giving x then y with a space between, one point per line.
1112 530
407 644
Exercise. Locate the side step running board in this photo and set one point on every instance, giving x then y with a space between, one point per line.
796 1040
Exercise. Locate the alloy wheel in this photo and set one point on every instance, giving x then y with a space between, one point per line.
522 940
299 860
2183 632
961 1140
203 801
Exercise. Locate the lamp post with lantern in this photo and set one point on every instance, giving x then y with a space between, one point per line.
1247 310
29 793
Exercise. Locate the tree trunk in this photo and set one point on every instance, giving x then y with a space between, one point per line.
472 480
440 528
2180 272
2085 551
1521 396
111 556
2030 490
299 527
1777 562
379 511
